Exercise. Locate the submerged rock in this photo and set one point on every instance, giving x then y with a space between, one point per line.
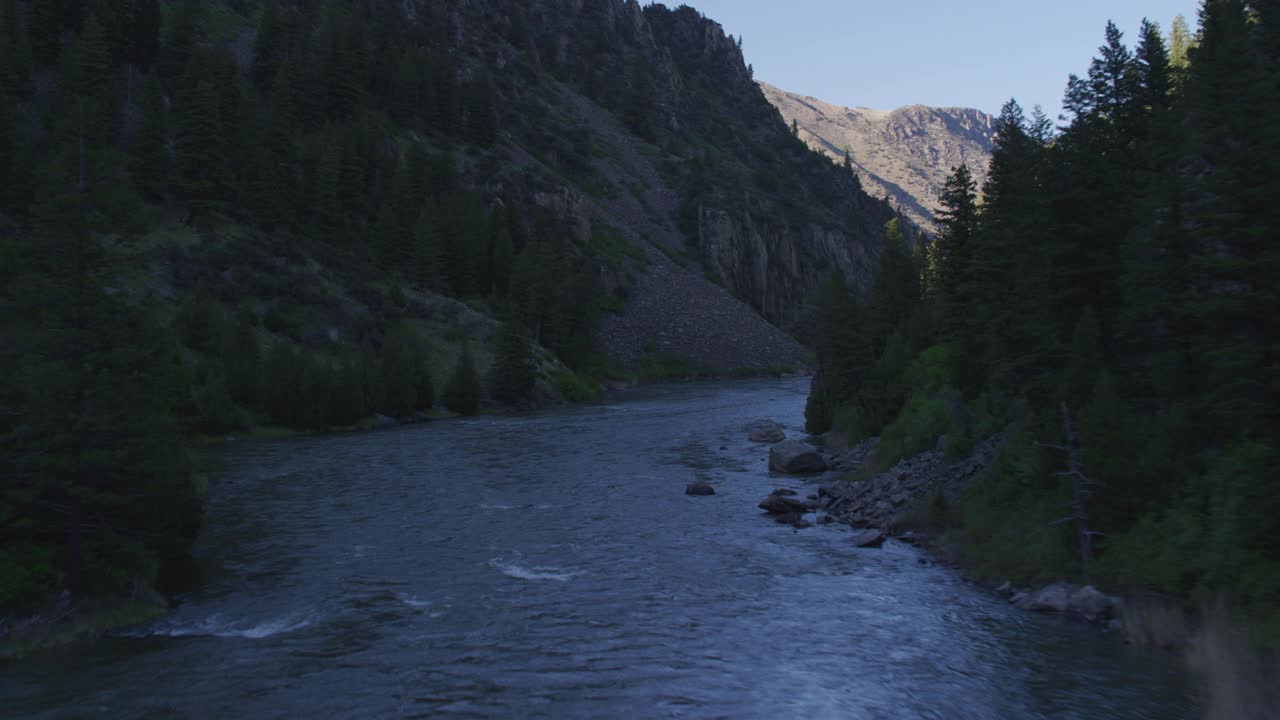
784 491
795 457
869 539
699 488
782 504
1054 598
1092 605
769 434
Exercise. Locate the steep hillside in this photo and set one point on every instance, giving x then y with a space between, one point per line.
314 214
905 154
688 156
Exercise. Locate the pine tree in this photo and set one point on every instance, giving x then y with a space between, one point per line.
97 447
406 381
201 150
269 47
638 105
515 372
327 218
141 34
95 84
482 118
957 223
1181 41
16 60
150 142
462 394
179 40
45 26
10 171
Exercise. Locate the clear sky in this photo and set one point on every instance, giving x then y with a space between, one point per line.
888 53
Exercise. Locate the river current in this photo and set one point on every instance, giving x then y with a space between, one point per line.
551 566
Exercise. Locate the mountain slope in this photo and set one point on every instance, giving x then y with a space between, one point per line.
905 154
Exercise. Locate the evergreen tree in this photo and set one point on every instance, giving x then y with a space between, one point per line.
96 447
638 106
17 64
201 150
1181 41
141 32
269 47
406 380
482 119
179 40
150 142
462 394
45 25
515 372
957 223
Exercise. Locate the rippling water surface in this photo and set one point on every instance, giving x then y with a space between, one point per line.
551 566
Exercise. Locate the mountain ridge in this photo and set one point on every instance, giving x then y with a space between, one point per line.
904 154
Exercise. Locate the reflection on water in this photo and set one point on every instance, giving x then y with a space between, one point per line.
551 566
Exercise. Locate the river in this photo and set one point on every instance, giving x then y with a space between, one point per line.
551 566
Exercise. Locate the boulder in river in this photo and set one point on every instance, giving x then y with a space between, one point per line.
699 488
1086 602
782 504
1054 598
771 433
835 442
784 491
801 524
869 539
1092 605
795 457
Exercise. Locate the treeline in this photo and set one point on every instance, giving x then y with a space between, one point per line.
1124 267
345 131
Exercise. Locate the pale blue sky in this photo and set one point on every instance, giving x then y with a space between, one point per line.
888 53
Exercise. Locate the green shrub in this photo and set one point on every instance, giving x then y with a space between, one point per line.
462 394
1007 519
28 576
576 388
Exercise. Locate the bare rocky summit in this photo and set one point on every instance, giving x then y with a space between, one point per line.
905 154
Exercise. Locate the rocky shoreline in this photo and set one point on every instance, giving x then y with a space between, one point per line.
892 504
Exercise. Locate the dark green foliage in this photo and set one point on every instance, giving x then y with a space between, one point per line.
482 118
150 142
957 222
91 386
515 371
406 380
358 146
270 46
178 40
1126 268
141 32
463 393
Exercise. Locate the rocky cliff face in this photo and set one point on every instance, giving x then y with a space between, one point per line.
904 154
650 118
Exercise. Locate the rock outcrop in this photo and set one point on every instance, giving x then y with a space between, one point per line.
784 505
796 457
770 433
905 154
1086 603
885 500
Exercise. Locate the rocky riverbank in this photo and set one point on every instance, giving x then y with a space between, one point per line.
896 504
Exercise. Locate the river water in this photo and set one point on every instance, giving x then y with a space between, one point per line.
551 566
